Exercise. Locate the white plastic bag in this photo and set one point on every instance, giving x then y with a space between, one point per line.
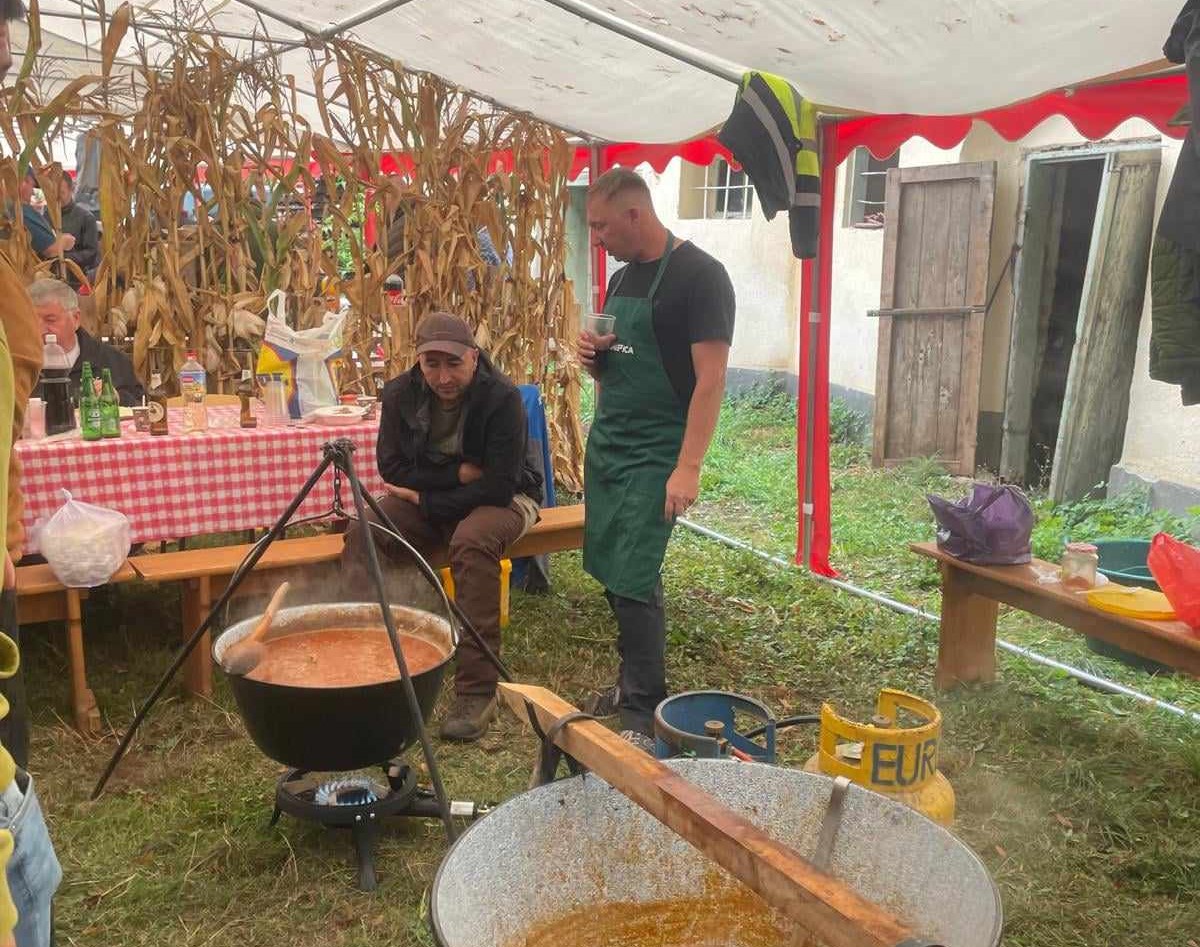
304 359
84 544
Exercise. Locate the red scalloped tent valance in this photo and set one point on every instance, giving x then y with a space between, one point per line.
1094 111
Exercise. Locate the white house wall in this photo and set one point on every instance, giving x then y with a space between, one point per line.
758 256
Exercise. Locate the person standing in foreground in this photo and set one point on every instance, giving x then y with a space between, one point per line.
29 870
660 378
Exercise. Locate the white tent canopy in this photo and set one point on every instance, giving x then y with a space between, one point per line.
549 57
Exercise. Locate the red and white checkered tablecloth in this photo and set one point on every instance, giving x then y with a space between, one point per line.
220 480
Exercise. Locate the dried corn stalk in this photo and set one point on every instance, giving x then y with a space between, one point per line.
279 204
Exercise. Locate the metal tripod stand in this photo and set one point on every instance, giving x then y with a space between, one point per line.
338 455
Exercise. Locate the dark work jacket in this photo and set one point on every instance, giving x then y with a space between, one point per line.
495 438
1180 218
102 356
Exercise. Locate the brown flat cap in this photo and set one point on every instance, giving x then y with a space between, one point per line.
444 332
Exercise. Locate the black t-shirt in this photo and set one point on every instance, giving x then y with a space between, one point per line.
694 303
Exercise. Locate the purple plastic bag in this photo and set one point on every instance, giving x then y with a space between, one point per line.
991 527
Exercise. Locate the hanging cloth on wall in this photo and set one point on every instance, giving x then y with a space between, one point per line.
772 132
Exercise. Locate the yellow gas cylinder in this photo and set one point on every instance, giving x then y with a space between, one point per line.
888 758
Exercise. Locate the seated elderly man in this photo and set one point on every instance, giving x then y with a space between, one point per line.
57 308
453 452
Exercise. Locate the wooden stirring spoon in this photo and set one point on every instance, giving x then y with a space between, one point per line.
243 657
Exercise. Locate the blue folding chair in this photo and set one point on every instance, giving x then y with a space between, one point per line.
532 574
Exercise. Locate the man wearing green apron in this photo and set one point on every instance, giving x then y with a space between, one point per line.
660 377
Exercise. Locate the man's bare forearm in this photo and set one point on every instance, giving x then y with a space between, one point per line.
703 412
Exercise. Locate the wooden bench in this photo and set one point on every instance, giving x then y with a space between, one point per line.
42 598
203 571
971 596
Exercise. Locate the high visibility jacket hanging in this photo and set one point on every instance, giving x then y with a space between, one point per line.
772 132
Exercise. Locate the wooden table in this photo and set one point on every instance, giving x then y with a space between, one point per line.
971 596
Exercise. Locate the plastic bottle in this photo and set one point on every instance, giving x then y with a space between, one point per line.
193 384
56 381
110 408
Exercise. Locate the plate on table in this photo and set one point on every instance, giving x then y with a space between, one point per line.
338 414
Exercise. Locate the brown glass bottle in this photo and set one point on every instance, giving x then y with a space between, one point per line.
245 392
156 398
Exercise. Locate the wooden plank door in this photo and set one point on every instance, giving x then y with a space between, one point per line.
937 243
1091 434
1040 239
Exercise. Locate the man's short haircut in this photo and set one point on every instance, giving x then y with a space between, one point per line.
618 182
11 10
43 291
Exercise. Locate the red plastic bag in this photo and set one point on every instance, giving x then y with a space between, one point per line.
1176 568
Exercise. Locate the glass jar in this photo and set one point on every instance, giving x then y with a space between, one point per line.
1079 564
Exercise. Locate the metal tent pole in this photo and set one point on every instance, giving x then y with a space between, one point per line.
294 22
370 13
713 65
596 261
163 28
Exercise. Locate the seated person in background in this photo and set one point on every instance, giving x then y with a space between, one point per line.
57 308
46 243
79 223
453 452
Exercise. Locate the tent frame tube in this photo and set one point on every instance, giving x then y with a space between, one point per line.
713 65
1084 677
167 28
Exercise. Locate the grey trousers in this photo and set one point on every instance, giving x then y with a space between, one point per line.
642 646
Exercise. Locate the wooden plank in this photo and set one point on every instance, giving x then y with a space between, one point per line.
828 908
1036 232
931 291
197 602
35 609
979 255
887 296
40 579
222 560
898 442
925 311
1096 405
83 701
967 643
955 284
946 172
559 529
1170 642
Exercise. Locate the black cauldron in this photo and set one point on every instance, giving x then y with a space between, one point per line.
337 728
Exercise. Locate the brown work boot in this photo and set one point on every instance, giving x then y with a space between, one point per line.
469 718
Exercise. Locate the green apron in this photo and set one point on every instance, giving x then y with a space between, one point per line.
632 449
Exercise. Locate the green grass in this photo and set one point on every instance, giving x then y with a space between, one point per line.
1084 807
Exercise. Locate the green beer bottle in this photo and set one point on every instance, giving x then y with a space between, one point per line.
89 406
110 408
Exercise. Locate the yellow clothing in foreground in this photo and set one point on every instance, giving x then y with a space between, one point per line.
9 659
24 347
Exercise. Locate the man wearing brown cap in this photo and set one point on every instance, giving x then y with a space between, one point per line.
453 451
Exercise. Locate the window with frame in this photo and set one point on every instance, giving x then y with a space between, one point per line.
717 192
866 189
